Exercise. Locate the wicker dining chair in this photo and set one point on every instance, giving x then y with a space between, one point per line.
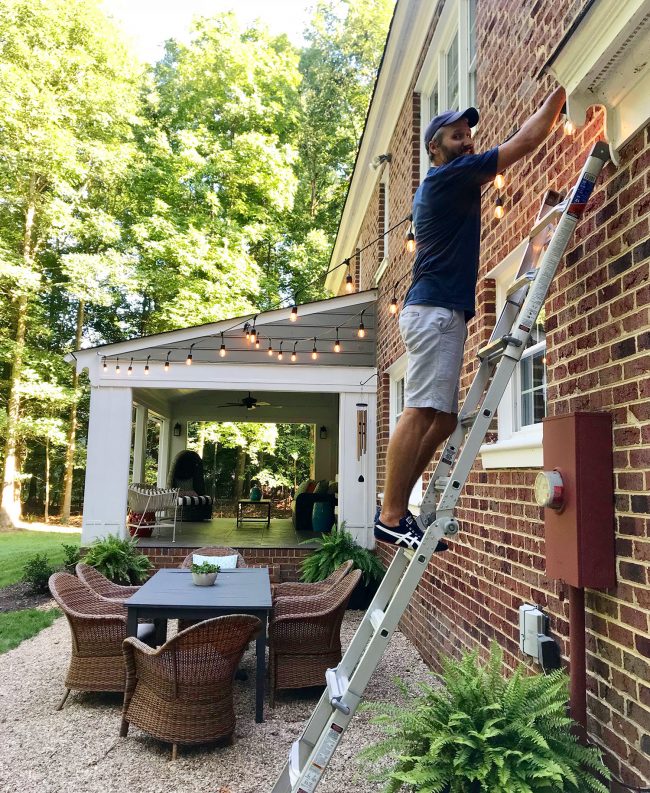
98 628
214 550
181 693
305 636
297 588
101 585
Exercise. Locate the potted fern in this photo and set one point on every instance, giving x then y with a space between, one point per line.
335 548
479 732
119 559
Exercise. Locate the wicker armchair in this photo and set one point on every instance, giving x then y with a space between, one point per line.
305 636
103 586
298 588
98 628
182 692
214 550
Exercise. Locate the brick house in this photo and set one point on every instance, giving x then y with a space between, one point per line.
591 352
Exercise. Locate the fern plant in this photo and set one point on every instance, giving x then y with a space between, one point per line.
480 732
335 548
118 559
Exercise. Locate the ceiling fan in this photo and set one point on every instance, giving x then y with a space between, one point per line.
249 402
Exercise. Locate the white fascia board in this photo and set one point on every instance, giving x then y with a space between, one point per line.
245 377
605 62
406 39
85 358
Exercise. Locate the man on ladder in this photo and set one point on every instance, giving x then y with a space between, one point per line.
441 298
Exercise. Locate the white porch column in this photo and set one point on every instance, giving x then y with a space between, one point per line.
107 465
357 499
139 443
163 452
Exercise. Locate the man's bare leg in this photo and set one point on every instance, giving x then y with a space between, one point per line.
444 424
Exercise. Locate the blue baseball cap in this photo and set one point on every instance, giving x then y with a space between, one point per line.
448 117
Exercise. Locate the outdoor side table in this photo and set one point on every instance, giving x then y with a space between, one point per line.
170 594
246 513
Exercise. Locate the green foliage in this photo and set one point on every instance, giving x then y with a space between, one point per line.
119 559
335 548
71 555
479 732
37 572
16 626
16 547
204 567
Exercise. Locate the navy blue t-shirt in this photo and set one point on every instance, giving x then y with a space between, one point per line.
447 218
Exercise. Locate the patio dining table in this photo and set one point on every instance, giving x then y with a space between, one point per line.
170 594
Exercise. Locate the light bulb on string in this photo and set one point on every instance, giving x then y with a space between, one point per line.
257 342
222 349
129 371
188 360
498 208
104 364
499 182
166 367
117 366
569 126
248 333
146 366
349 284
393 303
314 352
410 238
294 313
269 352
337 343
294 357
280 352
361 332
253 335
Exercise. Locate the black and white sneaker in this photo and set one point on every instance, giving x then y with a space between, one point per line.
407 534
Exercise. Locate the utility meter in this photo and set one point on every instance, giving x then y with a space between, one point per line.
549 489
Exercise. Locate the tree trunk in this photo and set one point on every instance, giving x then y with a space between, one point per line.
47 480
239 472
72 427
10 503
201 439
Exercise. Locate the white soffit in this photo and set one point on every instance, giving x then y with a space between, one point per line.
605 60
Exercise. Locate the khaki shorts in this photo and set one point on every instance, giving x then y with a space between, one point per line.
434 339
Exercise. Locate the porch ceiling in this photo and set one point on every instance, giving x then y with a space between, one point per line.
319 319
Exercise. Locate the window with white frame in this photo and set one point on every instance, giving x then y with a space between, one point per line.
523 405
447 80
397 374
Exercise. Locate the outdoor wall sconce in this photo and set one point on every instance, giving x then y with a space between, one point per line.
322 434
177 430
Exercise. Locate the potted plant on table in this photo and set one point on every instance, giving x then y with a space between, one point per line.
204 574
335 548
476 731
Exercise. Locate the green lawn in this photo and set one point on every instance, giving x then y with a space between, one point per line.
16 547
16 626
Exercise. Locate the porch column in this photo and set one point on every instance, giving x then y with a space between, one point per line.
163 452
139 443
107 465
357 499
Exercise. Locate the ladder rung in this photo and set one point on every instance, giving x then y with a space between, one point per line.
544 221
495 349
337 688
523 280
442 481
376 618
294 762
468 420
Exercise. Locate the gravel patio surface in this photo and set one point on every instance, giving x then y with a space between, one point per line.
78 749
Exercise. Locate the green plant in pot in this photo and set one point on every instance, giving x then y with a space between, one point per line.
119 559
480 732
335 548
204 574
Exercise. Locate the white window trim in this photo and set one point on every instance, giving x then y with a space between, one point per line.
514 448
396 372
454 21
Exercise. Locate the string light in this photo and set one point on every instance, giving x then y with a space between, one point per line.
294 313
362 330
188 360
337 343
349 285
498 208
117 366
257 342
253 333
269 352
104 363
410 238
146 366
499 182
248 333
166 367
222 349
314 352
130 369
280 352
293 354
393 303
569 126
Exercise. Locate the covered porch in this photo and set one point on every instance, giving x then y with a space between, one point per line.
206 374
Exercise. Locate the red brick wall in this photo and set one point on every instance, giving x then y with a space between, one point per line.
597 349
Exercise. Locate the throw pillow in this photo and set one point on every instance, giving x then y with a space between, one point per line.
224 562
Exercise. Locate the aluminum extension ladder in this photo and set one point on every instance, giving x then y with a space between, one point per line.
548 239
